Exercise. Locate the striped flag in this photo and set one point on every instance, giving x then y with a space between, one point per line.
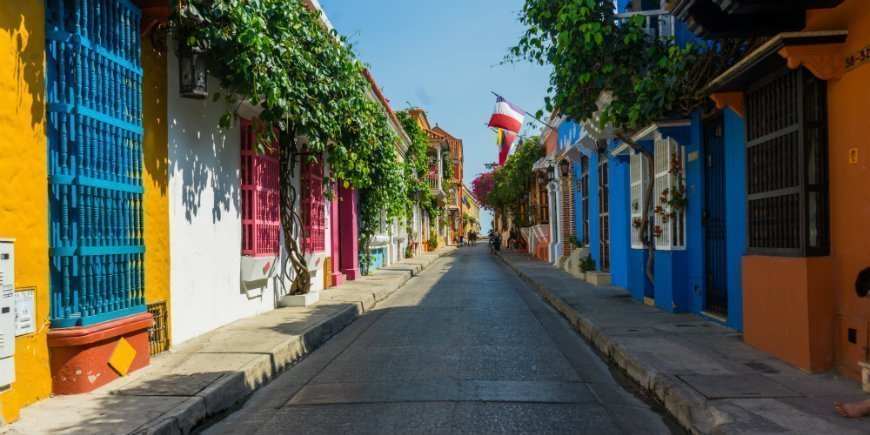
505 140
507 115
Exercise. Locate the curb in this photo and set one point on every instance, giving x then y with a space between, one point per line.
689 409
232 388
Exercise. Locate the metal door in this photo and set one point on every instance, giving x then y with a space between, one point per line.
716 288
603 214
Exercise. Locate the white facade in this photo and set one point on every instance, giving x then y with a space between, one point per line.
206 220
554 189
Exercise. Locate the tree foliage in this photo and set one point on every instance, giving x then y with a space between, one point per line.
417 168
504 189
278 55
593 52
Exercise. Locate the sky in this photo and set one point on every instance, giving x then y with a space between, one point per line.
444 56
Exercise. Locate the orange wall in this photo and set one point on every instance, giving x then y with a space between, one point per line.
551 143
788 309
849 113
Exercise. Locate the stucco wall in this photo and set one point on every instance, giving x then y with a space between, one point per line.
24 189
847 123
155 174
205 218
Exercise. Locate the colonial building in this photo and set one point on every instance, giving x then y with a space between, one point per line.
797 107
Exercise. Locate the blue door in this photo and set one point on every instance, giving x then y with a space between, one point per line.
94 95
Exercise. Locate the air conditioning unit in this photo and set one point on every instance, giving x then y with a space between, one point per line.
7 312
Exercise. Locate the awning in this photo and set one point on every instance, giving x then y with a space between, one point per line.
543 163
676 129
820 52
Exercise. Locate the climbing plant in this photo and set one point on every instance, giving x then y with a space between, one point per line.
416 170
503 189
279 56
592 52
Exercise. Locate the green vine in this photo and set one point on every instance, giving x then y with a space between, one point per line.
278 55
417 170
448 167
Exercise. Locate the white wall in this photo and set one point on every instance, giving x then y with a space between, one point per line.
205 219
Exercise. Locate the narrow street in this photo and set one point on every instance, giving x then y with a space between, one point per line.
464 347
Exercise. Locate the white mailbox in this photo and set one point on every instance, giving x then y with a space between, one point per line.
7 312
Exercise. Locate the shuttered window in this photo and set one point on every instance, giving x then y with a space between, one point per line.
639 177
671 225
261 219
313 208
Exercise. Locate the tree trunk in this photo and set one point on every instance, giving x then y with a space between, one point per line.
647 204
291 221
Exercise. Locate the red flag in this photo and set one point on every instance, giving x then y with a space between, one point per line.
507 116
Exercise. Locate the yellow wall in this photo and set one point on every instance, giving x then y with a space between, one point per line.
156 175
24 189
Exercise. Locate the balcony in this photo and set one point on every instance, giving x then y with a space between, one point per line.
657 23
436 186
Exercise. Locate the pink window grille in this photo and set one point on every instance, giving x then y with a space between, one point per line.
313 208
261 221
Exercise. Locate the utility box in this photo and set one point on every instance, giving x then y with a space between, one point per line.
7 312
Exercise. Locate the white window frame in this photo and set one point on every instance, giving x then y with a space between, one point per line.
639 170
671 239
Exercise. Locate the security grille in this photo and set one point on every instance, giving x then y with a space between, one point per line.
639 180
668 159
94 130
584 199
787 176
158 333
603 214
261 222
313 208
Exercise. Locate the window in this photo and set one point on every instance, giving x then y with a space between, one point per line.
261 221
603 213
669 230
584 199
639 177
93 90
787 165
313 208
544 204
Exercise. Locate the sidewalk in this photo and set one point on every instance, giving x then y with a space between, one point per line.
703 373
214 372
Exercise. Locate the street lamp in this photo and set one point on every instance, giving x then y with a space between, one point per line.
564 167
551 172
541 179
192 74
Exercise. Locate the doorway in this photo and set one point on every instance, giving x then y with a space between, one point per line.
716 277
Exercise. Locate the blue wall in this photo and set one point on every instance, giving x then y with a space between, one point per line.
735 217
735 214
593 209
694 210
620 220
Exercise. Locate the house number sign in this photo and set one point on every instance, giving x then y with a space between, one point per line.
858 58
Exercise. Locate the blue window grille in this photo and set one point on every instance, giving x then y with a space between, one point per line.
94 96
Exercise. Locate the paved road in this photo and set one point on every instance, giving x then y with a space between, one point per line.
464 347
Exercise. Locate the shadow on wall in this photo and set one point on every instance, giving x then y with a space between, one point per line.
205 161
28 72
154 116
